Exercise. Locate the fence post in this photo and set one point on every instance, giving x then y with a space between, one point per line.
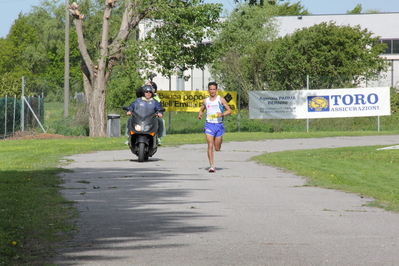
66 62
14 115
392 73
5 117
23 105
378 118
307 119
33 113
238 103
170 113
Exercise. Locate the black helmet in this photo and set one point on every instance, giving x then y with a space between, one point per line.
147 88
154 85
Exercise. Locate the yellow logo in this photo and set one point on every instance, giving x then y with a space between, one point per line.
318 104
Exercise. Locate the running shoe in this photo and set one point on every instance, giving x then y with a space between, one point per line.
212 169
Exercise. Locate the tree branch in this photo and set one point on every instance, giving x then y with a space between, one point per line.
102 61
77 20
130 20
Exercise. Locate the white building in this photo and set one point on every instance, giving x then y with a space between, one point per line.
198 78
383 25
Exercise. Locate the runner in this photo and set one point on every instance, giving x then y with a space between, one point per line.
216 108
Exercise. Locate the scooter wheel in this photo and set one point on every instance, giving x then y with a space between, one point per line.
141 152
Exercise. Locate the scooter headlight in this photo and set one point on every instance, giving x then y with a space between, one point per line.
137 128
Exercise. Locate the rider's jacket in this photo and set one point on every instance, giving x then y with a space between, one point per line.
151 103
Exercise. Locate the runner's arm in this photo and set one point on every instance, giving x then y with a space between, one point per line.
226 106
202 109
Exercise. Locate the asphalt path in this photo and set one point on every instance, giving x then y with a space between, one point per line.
170 211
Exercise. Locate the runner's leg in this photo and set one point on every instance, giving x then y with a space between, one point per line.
219 137
210 139
218 143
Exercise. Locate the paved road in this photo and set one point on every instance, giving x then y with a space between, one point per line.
171 211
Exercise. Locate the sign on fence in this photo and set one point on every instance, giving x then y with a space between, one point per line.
190 101
303 104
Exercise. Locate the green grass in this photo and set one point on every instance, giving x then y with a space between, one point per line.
53 111
362 170
33 214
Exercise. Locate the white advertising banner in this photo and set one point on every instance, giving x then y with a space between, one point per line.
302 104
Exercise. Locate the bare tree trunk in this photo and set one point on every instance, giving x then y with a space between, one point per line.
96 75
97 117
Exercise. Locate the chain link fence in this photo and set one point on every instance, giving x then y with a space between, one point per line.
16 115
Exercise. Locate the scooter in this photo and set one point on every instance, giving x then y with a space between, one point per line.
142 131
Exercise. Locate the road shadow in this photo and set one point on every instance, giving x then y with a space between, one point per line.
127 209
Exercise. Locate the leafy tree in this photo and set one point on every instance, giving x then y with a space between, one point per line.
260 2
288 9
35 50
49 21
239 35
7 56
22 41
122 86
356 10
248 25
10 73
19 57
10 85
359 9
97 66
283 9
334 56
182 50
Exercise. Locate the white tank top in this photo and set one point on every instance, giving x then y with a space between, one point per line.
212 108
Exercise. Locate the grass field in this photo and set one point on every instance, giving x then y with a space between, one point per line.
362 170
34 216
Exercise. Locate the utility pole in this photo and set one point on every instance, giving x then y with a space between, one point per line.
66 71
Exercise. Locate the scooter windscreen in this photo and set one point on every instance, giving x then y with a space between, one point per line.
144 109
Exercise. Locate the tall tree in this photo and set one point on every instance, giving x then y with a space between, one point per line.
246 26
34 48
49 20
97 67
334 56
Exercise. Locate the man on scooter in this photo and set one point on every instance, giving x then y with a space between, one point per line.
161 123
147 101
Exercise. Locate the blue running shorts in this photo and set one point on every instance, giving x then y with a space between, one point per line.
214 129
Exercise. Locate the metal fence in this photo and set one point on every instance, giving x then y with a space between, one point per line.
23 114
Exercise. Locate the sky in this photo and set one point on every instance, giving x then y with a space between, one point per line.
11 8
